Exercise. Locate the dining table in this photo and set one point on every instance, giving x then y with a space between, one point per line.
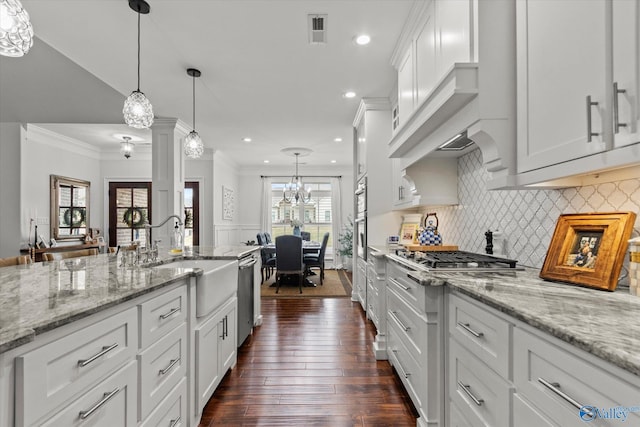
308 247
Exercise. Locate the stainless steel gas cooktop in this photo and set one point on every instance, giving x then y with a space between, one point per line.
458 261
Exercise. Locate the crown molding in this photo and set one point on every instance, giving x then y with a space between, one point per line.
57 141
370 104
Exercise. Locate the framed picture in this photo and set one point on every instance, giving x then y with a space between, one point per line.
227 203
408 233
101 241
589 249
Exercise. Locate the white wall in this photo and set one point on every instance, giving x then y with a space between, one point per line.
12 219
225 174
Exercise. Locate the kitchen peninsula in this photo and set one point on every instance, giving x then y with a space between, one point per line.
73 332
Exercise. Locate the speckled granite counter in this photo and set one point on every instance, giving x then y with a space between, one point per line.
40 297
605 324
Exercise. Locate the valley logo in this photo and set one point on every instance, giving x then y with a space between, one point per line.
589 413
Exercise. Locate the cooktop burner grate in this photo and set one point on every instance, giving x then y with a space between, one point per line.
462 259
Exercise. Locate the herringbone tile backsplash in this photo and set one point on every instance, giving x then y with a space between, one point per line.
526 217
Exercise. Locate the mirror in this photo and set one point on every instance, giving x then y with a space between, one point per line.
69 208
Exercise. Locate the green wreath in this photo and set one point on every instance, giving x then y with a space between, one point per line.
74 220
134 217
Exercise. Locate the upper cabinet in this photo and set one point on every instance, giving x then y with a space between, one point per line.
578 78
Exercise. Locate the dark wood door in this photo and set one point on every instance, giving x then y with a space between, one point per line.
192 213
129 210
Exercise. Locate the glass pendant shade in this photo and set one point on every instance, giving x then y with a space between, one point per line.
193 145
16 31
126 147
138 112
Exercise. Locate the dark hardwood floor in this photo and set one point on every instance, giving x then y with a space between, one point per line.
310 364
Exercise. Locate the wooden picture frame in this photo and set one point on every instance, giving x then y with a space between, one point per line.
408 233
589 249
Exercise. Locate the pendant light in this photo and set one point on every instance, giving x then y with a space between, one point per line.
126 146
193 145
138 112
295 191
16 31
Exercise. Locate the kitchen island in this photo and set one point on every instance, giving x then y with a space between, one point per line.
67 326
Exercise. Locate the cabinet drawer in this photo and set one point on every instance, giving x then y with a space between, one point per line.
407 367
407 288
485 335
50 375
410 325
525 415
480 394
172 411
161 367
161 314
560 382
111 403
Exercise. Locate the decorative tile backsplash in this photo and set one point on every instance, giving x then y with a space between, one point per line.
527 218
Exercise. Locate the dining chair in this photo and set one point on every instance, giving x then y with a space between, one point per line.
55 256
267 237
305 235
289 258
260 239
317 261
16 260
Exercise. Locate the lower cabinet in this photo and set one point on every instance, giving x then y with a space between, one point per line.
360 283
377 301
215 351
172 411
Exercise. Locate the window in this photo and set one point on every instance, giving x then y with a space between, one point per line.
316 213
129 210
70 208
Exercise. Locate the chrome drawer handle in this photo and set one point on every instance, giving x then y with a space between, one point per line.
616 116
466 388
394 315
555 387
107 396
168 368
467 328
175 422
398 284
170 313
590 133
106 349
402 371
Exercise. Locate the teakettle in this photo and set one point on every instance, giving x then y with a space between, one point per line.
429 236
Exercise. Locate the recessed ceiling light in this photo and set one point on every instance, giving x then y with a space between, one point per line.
266 161
333 161
246 139
349 94
338 139
363 39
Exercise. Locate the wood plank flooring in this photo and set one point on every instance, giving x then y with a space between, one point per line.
310 364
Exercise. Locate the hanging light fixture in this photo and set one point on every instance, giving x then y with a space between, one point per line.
193 145
295 191
16 32
126 146
138 112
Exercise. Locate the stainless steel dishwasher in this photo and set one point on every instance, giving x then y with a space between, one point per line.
245 296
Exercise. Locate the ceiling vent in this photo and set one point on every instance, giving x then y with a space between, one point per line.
317 29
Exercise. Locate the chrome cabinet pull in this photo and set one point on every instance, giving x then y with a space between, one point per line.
168 368
402 371
415 279
467 328
173 311
107 396
398 284
555 387
590 104
616 116
175 422
467 390
394 315
106 349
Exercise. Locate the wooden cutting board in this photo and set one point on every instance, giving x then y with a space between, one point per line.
433 248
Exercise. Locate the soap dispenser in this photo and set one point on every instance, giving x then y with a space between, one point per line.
176 240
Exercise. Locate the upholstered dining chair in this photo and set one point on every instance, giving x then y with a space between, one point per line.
55 256
289 258
267 237
16 260
317 261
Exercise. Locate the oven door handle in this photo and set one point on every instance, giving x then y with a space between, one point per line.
359 191
359 220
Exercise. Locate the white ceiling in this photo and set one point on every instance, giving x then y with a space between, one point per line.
260 76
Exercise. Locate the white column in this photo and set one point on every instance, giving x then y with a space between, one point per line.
167 188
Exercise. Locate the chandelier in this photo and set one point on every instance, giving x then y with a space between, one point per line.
16 32
193 145
138 112
126 146
295 191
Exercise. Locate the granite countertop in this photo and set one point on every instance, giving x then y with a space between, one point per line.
39 297
605 324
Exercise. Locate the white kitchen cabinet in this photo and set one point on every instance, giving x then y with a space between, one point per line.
401 190
559 380
215 351
360 283
172 411
161 314
360 141
569 55
377 301
406 90
525 415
